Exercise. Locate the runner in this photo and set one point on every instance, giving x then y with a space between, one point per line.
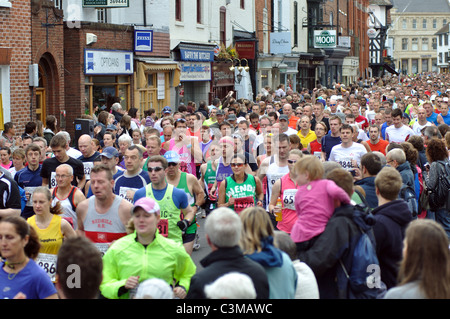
191 186
240 190
103 217
176 213
285 188
66 194
348 154
207 179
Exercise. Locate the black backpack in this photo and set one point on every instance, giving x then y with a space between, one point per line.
408 194
439 196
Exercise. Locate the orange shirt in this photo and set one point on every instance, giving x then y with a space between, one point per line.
293 122
380 146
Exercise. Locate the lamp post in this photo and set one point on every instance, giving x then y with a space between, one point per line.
237 63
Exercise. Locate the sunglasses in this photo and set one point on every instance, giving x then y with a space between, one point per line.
156 169
182 120
292 161
237 164
172 164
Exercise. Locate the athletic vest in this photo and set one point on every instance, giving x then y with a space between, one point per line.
67 204
222 172
169 213
51 239
104 228
288 191
182 184
244 194
274 173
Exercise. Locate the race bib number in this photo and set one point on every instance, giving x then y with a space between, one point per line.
102 247
242 203
346 162
53 180
127 193
274 178
29 190
163 227
288 198
87 169
48 263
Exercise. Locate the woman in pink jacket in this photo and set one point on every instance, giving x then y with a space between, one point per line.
315 201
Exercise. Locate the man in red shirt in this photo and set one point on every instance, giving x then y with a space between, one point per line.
361 120
375 142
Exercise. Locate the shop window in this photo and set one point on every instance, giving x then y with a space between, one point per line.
106 90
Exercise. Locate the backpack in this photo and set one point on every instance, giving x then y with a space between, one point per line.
358 276
408 194
439 196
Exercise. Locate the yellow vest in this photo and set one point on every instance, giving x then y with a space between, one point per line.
51 238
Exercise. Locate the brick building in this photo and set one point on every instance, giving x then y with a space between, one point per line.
15 58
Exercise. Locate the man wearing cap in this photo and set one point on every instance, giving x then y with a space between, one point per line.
133 178
166 112
220 116
104 216
284 125
176 213
140 256
191 186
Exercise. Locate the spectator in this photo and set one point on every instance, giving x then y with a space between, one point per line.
397 159
233 285
370 167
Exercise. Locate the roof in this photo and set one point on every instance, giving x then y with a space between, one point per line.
444 29
387 3
421 6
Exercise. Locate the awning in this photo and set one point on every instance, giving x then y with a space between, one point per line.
389 69
143 67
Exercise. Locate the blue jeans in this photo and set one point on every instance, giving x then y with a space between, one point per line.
443 218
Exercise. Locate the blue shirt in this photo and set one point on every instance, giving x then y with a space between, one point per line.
124 182
446 118
179 198
32 281
433 119
328 142
27 178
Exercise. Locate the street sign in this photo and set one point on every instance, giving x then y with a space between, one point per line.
324 39
106 3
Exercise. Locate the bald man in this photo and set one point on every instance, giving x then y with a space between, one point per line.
89 154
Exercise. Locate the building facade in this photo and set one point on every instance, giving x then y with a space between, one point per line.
413 27
443 49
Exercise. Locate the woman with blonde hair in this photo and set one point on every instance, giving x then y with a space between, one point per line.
257 244
425 268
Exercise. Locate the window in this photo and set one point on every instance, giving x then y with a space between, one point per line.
434 67
440 57
414 23
223 23
425 44
434 23
415 44
199 11
424 23
405 44
425 65
414 66
404 24
178 16
444 22
405 66
295 23
242 4
446 39
434 43
440 39
5 4
102 16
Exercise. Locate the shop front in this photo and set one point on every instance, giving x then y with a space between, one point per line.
222 79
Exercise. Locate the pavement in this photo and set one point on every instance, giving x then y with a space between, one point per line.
204 249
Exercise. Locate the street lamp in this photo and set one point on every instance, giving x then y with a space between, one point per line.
240 68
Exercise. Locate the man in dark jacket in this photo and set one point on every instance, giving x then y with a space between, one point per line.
370 166
392 217
223 229
397 159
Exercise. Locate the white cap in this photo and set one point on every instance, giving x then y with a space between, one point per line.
154 288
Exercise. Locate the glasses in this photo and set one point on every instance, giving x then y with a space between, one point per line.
292 161
61 176
333 104
237 164
182 120
172 164
156 169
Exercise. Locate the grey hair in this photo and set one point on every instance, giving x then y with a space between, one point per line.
223 227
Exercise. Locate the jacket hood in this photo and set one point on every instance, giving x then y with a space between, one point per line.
404 166
397 210
269 256
366 181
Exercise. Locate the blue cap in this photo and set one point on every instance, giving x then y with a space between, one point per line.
110 152
111 127
167 109
172 157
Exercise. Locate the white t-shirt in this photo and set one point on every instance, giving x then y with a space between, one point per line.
398 135
345 155
417 127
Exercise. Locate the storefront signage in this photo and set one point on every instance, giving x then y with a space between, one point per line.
97 62
324 38
195 71
245 49
197 55
106 3
280 42
143 40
